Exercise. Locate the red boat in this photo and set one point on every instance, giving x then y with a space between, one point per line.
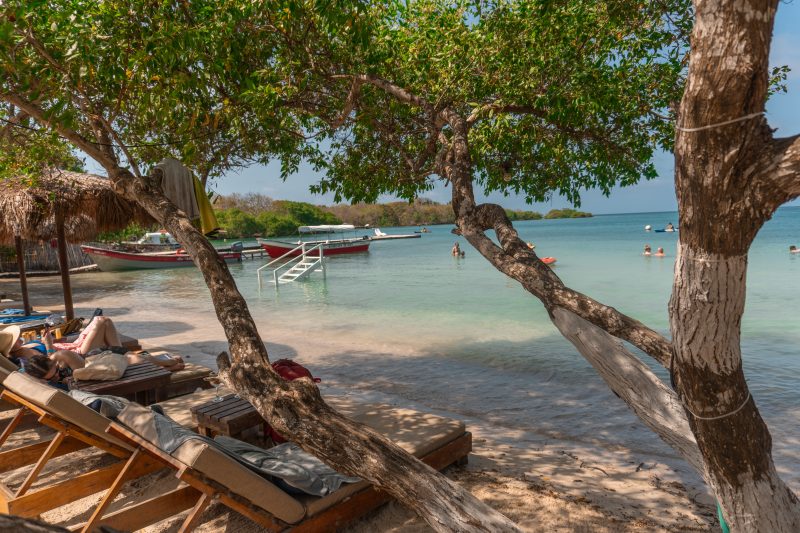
277 248
333 247
115 260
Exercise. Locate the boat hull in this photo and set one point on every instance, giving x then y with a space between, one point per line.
277 249
115 261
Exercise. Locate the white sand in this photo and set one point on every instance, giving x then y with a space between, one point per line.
540 481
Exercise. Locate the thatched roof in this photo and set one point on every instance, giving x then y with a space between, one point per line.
87 202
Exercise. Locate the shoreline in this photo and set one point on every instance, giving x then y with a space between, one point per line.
539 480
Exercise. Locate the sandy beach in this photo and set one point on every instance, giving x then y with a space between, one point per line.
541 482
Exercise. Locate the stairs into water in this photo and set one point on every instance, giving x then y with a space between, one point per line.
300 270
290 268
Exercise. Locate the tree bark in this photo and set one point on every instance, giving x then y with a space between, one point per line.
722 146
296 408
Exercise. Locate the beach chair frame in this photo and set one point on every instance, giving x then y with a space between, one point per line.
200 491
68 438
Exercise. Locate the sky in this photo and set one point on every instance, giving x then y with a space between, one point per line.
783 113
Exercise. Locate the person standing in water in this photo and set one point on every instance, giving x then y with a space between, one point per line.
647 250
456 250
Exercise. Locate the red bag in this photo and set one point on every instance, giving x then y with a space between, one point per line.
290 371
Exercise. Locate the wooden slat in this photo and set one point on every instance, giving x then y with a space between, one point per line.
5 496
29 454
12 425
136 466
197 511
150 511
138 378
37 468
75 488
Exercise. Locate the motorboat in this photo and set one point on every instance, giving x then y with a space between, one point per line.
279 248
109 260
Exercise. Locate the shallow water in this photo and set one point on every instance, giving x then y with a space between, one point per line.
409 320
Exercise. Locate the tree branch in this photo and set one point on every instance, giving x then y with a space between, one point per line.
518 262
90 148
350 103
12 123
785 171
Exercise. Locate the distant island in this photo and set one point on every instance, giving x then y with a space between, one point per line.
257 215
567 213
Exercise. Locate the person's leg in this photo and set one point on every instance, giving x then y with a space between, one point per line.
102 335
110 335
173 363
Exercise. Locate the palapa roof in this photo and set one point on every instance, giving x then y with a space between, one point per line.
88 204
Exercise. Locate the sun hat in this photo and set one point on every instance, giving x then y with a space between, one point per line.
8 337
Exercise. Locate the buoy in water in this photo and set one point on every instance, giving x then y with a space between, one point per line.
648 227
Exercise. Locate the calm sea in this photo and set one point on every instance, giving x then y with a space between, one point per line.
460 322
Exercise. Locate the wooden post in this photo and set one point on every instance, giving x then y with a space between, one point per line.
23 280
64 265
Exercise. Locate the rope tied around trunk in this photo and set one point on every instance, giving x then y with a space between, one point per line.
726 415
719 124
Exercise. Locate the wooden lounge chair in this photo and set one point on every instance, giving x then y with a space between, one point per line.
76 427
211 475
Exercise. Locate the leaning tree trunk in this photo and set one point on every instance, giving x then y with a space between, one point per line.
722 141
296 408
649 398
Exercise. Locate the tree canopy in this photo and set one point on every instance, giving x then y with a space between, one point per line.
557 97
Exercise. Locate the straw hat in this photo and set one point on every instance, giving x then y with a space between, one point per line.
8 337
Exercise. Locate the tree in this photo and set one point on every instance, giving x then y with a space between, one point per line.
127 82
731 175
537 98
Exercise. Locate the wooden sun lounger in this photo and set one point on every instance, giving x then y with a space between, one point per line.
210 475
76 427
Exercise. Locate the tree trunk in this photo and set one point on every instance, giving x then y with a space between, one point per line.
296 408
722 142
705 317
653 402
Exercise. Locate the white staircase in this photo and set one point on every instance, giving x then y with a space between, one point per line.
292 267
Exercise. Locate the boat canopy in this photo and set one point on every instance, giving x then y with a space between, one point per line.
326 228
157 237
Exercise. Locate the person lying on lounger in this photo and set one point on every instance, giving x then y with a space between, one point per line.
58 367
99 335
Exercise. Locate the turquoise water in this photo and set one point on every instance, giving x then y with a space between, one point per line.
457 336
413 293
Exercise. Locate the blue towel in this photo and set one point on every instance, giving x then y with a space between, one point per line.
20 312
20 319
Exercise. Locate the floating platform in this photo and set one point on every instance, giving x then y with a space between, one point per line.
392 237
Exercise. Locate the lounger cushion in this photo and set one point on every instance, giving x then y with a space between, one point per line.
220 468
416 432
179 409
190 371
61 405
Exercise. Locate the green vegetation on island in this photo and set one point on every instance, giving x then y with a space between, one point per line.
567 213
254 215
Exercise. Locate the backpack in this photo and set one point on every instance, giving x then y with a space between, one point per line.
290 371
